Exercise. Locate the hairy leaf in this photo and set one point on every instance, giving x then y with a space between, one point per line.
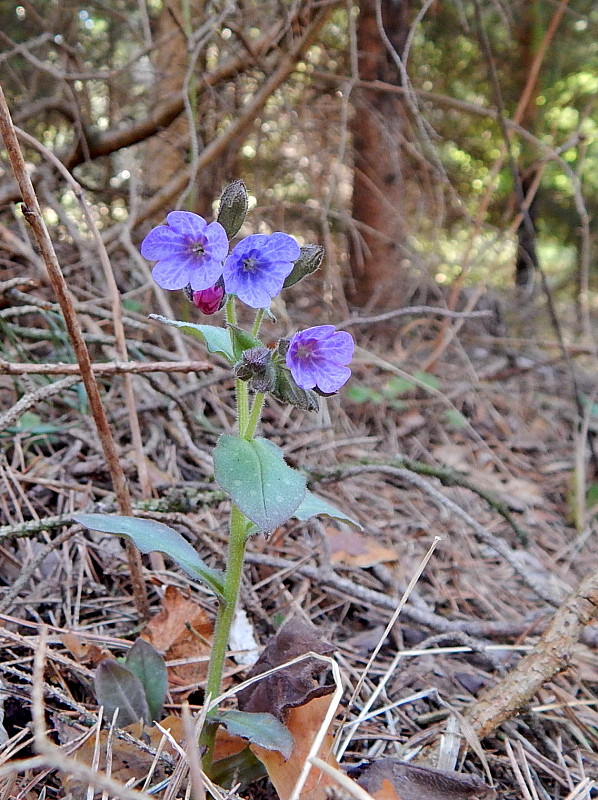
261 728
216 339
258 480
314 506
150 536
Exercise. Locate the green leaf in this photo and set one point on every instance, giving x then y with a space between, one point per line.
314 506
117 687
217 340
147 664
259 728
152 536
258 480
242 340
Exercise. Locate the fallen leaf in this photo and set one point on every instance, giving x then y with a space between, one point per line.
410 421
181 631
293 686
128 761
293 695
356 550
84 652
303 722
391 779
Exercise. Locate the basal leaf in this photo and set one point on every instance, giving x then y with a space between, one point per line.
117 687
151 536
217 340
314 506
147 664
258 480
260 728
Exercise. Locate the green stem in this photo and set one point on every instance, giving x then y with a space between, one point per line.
258 321
230 310
224 619
254 417
242 407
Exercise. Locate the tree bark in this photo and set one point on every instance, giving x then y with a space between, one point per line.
527 31
377 127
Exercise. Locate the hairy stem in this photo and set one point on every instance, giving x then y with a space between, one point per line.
224 619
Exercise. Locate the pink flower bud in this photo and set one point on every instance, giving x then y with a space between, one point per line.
209 301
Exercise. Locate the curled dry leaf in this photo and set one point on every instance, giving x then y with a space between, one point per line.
391 779
303 722
293 686
294 697
181 631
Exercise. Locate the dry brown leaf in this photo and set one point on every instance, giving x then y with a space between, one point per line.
304 722
182 630
356 550
85 652
294 685
128 761
456 456
410 421
391 779
293 696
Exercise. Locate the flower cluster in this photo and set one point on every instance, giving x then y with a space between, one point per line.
193 255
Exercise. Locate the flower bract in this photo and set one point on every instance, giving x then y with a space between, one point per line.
189 251
318 358
257 267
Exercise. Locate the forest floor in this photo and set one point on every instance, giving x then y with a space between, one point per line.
478 446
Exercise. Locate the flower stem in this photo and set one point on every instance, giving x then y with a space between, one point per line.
258 321
242 407
231 311
254 417
224 619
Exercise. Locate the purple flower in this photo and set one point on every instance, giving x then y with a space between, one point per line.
317 358
188 251
257 267
209 301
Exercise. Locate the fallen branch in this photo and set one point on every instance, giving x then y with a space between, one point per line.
108 368
551 655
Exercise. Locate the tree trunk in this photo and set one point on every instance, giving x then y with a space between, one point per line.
168 152
527 32
378 206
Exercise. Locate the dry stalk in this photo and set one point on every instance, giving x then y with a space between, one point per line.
105 368
32 212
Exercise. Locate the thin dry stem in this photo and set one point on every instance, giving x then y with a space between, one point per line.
34 217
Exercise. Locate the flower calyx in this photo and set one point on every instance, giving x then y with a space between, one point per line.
233 208
309 261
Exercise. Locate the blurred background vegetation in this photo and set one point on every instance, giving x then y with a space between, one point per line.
427 145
